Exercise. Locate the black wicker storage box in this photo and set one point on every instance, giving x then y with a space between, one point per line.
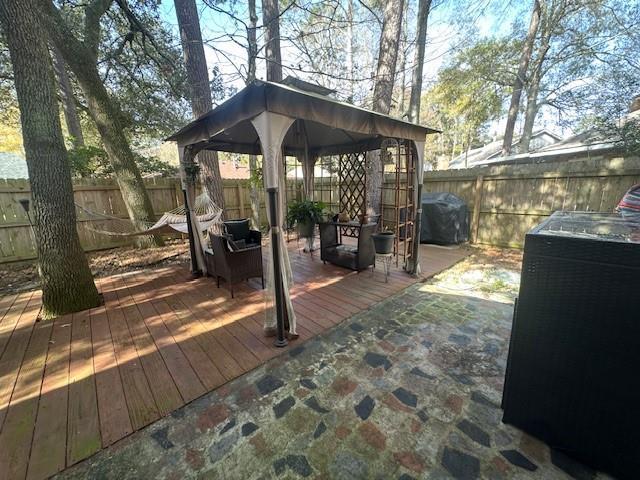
573 372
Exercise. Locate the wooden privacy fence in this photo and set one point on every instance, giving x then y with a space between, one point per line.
101 196
507 201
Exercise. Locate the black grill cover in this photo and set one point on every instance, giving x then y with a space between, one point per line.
445 219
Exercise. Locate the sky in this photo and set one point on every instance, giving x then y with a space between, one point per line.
446 32
443 36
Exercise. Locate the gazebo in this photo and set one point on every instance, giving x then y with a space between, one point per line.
278 120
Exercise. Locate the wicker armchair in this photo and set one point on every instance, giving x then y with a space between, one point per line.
234 266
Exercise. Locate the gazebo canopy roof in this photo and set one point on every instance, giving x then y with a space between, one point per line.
325 125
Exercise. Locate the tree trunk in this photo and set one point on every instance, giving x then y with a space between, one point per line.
466 149
454 142
518 83
383 92
350 52
252 54
68 100
403 67
424 6
533 89
107 115
418 62
252 42
67 285
198 77
388 56
529 118
271 21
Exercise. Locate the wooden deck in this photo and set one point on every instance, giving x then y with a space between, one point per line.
72 386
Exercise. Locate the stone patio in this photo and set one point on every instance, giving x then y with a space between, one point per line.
408 389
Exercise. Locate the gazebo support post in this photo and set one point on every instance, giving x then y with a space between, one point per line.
187 169
271 129
280 341
195 271
417 225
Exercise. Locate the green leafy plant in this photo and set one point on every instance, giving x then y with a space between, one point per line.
305 211
91 161
255 177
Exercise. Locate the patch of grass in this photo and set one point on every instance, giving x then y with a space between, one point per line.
496 285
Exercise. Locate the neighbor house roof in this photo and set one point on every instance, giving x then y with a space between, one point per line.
13 165
330 126
582 146
491 152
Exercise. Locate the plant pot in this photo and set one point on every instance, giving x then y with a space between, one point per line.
305 229
383 242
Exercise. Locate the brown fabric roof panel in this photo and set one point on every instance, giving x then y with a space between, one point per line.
332 126
244 105
323 140
295 103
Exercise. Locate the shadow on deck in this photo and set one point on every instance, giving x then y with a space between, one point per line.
72 386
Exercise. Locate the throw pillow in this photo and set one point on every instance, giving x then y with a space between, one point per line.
238 229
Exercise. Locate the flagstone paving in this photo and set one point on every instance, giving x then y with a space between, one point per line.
408 389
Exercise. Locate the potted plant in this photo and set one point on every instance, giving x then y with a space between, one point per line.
304 215
383 242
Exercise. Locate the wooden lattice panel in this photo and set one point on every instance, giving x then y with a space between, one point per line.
352 178
398 208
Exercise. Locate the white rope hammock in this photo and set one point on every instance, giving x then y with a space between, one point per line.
206 211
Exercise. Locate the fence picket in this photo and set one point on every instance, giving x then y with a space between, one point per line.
505 201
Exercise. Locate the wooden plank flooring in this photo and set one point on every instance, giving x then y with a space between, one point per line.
72 386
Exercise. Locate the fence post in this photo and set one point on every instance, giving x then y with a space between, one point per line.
240 191
475 222
178 188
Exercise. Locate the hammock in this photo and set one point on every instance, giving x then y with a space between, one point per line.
206 211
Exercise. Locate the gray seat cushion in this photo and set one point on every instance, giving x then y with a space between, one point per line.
347 249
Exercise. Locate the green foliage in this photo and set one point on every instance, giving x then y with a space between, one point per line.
468 94
255 177
145 70
90 161
140 63
8 100
628 136
305 211
191 170
624 134
154 166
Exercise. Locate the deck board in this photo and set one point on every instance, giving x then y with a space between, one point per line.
81 382
163 389
5 305
83 427
14 351
17 431
182 373
48 450
112 404
141 402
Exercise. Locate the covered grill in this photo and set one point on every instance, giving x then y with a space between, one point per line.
445 219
